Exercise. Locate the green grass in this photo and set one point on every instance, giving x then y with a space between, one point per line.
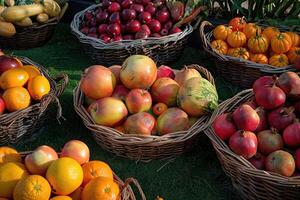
196 175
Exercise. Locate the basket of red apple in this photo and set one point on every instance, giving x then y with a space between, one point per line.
143 113
70 174
29 96
113 30
256 135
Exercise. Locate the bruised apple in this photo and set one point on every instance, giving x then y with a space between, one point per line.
77 150
138 100
39 160
140 123
108 111
97 82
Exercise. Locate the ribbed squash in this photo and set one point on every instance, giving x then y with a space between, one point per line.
259 58
258 44
279 60
7 29
18 13
220 46
251 29
270 32
236 39
25 22
293 54
240 53
295 38
281 43
221 32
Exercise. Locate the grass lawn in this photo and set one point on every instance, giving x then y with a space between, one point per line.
196 175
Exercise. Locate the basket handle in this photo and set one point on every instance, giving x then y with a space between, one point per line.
133 181
62 81
205 72
63 10
202 34
46 100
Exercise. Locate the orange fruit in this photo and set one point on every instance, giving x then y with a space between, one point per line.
10 174
3 198
13 78
19 61
31 70
65 175
76 195
61 198
33 187
16 98
8 154
38 87
101 188
94 169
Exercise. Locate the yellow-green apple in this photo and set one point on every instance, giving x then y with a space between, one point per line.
108 111
39 160
138 100
77 150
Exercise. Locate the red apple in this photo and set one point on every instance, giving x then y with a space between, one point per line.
7 63
120 92
115 69
77 150
138 100
39 160
2 105
165 71
297 63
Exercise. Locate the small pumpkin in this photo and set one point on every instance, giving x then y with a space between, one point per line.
279 60
237 23
220 46
221 32
236 39
293 54
295 38
281 43
251 29
258 44
270 32
240 53
259 58
229 51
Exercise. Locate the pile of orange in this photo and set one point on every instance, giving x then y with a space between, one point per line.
21 86
251 42
65 179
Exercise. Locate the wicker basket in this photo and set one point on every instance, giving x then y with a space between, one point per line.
32 36
230 68
250 182
163 50
138 147
26 124
125 188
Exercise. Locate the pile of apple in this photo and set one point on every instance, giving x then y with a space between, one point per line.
266 130
130 97
132 19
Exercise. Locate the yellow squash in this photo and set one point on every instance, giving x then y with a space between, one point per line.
7 29
25 22
18 13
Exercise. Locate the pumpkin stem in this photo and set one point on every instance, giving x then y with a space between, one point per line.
273 130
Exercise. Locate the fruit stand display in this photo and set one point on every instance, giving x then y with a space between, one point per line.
45 174
256 137
28 93
28 23
254 49
155 115
111 31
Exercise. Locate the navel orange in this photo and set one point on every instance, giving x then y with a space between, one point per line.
94 169
16 98
16 77
31 70
38 87
61 198
8 154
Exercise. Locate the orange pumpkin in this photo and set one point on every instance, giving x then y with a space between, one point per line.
251 29
237 23
295 38
281 43
259 58
240 53
221 32
279 60
270 32
219 46
258 44
236 39
101 188
230 50
293 54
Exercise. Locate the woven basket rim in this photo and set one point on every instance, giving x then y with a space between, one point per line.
240 162
125 187
206 38
99 44
176 137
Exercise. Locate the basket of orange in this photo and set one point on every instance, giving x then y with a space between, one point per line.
45 174
28 96
245 51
